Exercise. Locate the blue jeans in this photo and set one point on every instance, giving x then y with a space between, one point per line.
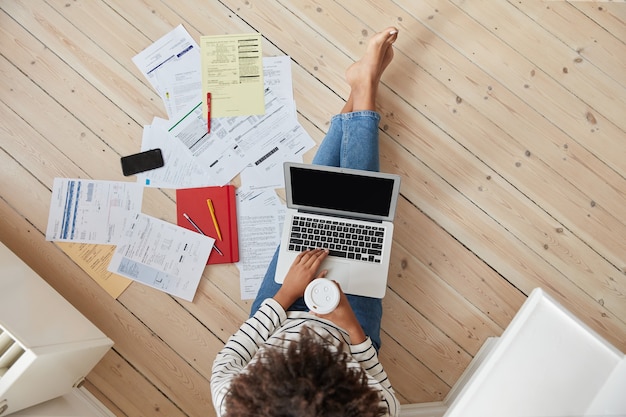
351 142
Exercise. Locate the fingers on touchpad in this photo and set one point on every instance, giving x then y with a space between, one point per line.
337 271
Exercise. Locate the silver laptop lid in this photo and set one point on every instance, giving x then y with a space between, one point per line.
351 193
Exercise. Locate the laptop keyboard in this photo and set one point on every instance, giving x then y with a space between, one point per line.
342 239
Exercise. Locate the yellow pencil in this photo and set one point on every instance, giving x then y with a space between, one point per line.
217 226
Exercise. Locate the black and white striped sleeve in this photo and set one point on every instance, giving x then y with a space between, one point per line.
366 355
241 348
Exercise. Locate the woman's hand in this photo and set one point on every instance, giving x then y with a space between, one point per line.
344 317
303 270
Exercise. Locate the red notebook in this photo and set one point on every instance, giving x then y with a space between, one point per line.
193 203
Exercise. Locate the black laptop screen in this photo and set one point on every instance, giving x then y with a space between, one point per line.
341 191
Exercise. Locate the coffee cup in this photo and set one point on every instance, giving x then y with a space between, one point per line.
321 296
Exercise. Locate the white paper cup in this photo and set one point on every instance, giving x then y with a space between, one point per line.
321 296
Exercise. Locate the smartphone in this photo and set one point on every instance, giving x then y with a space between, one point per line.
142 161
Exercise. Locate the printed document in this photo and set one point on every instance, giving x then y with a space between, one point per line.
172 66
232 71
277 77
269 173
91 211
235 142
94 260
181 168
260 216
162 255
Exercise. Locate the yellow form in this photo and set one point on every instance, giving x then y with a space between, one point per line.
94 259
232 71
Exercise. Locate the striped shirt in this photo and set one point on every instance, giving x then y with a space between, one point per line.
271 326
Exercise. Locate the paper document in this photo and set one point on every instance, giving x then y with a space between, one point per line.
268 173
172 66
260 215
181 168
236 142
91 211
94 260
277 77
162 255
232 71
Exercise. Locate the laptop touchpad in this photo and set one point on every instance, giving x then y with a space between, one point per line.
337 271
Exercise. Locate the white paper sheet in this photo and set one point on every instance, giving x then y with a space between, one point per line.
260 216
91 211
181 168
235 142
269 175
277 77
172 66
162 255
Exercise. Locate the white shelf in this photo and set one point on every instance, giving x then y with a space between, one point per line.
46 345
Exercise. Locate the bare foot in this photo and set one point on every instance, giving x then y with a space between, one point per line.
364 75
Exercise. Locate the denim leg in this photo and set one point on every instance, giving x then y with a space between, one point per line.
351 142
369 313
329 151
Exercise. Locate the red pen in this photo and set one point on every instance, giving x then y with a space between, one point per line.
208 106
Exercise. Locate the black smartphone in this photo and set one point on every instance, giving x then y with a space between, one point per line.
142 161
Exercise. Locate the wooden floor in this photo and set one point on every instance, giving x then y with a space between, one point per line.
505 119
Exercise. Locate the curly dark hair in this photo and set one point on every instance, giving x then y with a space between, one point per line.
306 380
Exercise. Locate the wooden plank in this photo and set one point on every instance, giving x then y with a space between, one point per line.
470 276
79 52
609 15
601 93
549 239
581 34
439 303
95 19
410 378
184 334
134 395
104 400
63 84
502 251
414 332
514 82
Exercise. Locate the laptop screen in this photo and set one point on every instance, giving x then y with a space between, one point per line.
340 191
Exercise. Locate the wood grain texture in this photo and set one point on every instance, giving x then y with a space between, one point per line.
504 118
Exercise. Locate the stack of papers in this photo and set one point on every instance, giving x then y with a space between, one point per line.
149 250
256 125
253 130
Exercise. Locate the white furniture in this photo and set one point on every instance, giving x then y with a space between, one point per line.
46 345
77 403
547 363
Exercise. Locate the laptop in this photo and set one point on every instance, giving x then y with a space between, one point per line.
347 211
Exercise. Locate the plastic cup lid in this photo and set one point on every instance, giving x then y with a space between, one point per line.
321 296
